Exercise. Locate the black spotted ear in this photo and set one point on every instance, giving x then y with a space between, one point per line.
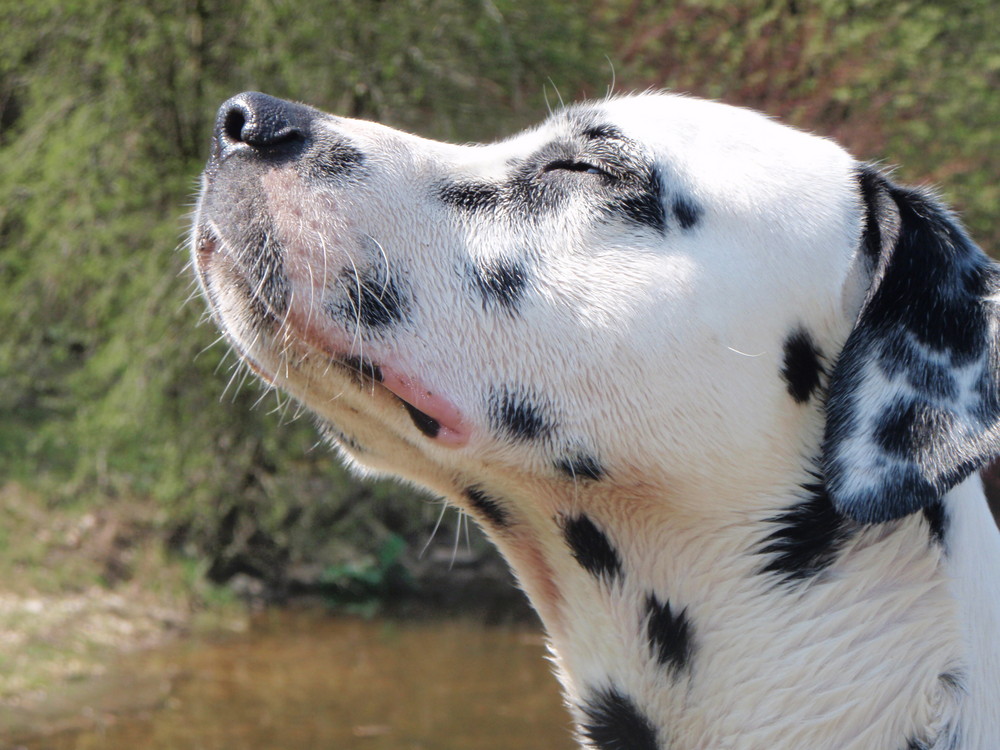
913 404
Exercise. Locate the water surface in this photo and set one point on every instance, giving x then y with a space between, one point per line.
302 680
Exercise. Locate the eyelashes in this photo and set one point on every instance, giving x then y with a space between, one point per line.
575 165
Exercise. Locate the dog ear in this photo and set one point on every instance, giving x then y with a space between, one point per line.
913 404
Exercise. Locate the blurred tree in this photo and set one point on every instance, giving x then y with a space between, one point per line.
107 387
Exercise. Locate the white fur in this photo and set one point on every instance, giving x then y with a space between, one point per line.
660 353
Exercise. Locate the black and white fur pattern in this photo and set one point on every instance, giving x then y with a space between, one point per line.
715 389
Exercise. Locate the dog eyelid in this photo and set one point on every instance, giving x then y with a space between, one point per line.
574 165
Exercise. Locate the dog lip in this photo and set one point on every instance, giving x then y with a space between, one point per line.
432 414
206 247
206 242
423 422
437 417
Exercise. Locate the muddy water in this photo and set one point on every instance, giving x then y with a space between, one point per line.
306 680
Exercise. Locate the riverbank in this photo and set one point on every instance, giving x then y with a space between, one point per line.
78 589
83 589
59 655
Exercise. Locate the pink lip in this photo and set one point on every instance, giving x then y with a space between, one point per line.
452 429
433 414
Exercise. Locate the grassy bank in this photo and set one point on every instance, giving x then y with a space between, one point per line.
79 586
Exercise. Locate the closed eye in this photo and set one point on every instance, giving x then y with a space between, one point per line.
572 165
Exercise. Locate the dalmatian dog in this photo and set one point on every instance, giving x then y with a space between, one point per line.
716 390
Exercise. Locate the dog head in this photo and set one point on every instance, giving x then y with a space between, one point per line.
652 291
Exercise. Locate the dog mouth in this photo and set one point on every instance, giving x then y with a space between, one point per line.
433 415
206 248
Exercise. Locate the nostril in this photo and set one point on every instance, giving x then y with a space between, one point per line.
232 124
262 122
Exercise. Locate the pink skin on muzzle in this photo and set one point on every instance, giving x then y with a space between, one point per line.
311 238
453 430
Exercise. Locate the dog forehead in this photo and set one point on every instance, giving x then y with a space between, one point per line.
683 123
736 155
753 169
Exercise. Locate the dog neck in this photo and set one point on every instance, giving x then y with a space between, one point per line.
784 626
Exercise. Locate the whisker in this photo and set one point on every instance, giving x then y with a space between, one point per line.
218 339
385 262
235 372
611 87
444 507
468 536
458 535
555 88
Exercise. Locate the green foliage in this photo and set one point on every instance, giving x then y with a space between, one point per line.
109 388
359 585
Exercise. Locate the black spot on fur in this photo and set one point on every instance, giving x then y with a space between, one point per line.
364 367
896 355
474 197
613 722
808 537
581 466
512 413
953 682
598 162
948 739
488 506
951 325
880 215
906 424
934 281
336 435
352 444
642 201
500 281
933 381
899 357
334 159
602 132
268 287
373 302
423 422
687 213
669 634
592 548
937 521
802 367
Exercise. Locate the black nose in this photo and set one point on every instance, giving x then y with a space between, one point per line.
262 123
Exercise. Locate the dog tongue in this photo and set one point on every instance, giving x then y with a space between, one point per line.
433 414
